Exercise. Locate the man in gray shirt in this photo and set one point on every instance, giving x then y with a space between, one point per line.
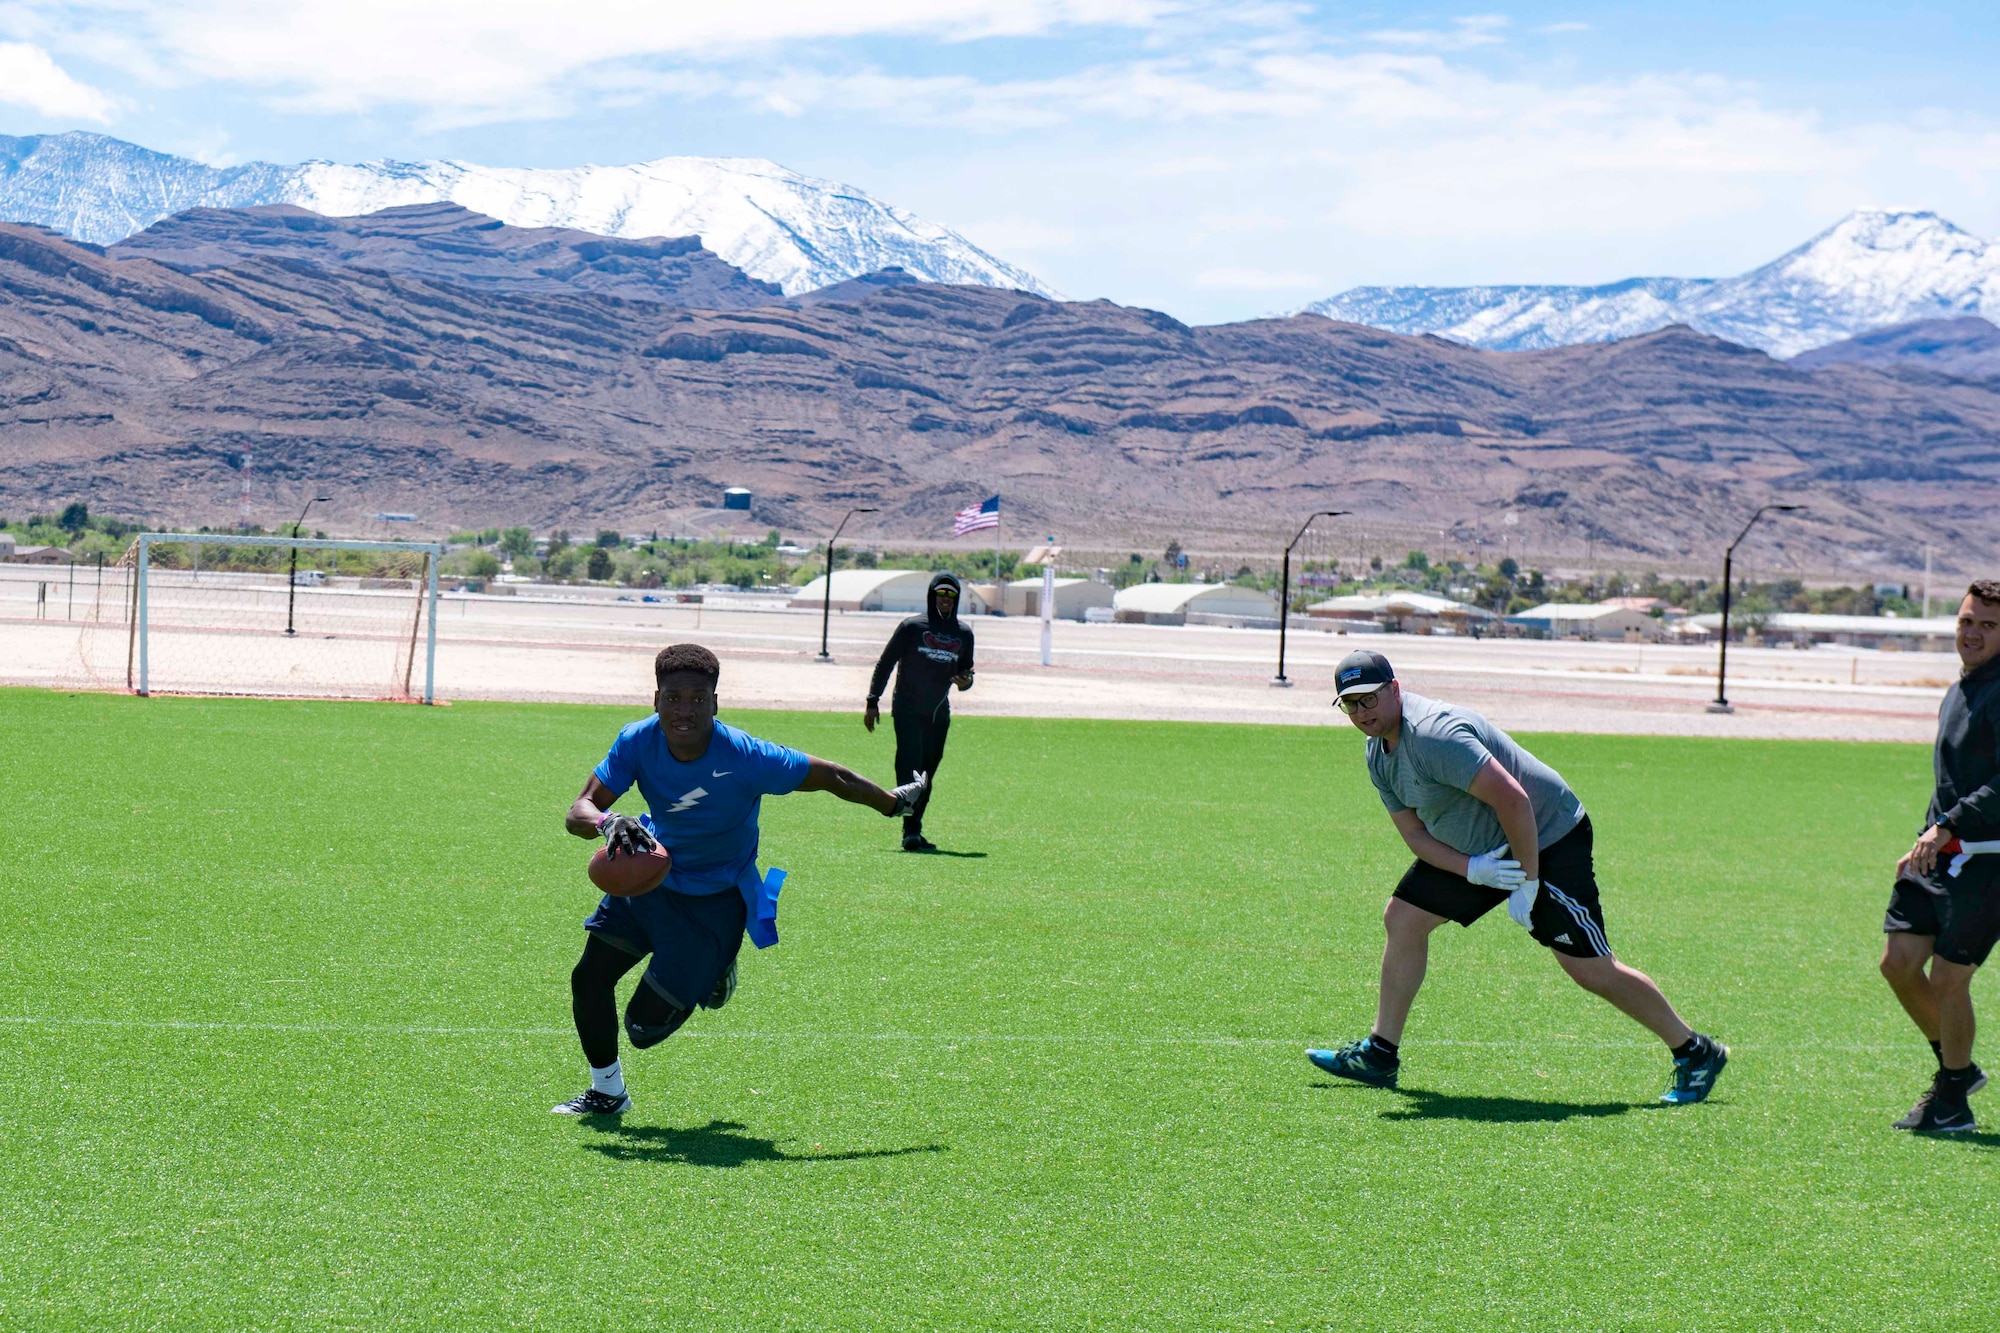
1489 824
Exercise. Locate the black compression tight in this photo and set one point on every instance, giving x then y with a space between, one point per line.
650 1017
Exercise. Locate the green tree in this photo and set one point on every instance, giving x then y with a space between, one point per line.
607 540
599 564
75 517
483 565
1416 560
518 542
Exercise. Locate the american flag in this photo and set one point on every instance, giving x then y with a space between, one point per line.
974 517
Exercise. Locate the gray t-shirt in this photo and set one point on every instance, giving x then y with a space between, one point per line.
1441 749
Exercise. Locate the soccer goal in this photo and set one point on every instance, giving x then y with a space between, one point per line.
281 616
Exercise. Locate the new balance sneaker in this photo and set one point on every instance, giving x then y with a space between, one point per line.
1940 1110
1360 1061
1694 1077
594 1102
723 989
917 842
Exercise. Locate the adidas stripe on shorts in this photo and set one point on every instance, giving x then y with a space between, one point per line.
1567 916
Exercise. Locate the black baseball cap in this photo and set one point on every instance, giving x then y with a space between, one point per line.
1360 672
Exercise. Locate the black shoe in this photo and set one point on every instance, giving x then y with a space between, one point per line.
1694 1077
723 989
594 1102
1360 1061
917 842
1975 1081
1941 1110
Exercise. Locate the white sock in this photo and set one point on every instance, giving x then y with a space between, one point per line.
609 1080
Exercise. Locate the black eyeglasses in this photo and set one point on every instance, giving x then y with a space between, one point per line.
1353 703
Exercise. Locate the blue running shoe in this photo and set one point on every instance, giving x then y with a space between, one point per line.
1694 1077
1360 1061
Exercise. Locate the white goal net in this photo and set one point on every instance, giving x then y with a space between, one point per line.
201 613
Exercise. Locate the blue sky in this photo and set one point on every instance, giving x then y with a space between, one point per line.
1213 160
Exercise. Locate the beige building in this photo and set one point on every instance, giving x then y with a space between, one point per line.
1182 603
1405 612
1587 620
1023 597
897 590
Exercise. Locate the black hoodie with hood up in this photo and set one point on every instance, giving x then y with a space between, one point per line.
925 652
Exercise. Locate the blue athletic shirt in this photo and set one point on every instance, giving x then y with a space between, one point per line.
704 812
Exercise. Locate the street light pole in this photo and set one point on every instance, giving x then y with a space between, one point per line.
1722 704
1285 590
292 582
826 603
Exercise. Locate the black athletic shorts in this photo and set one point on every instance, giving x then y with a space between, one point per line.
1566 917
1962 914
693 938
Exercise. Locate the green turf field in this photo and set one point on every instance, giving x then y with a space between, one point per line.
283 1006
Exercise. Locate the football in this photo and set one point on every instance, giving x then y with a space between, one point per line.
628 876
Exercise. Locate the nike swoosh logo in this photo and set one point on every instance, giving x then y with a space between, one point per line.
721 772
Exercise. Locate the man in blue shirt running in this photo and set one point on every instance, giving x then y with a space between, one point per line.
704 782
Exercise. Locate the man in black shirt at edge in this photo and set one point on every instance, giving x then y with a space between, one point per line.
929 654
1945 907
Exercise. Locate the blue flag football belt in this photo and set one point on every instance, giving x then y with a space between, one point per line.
762 922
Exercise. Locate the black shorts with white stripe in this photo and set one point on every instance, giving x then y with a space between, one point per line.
1567 916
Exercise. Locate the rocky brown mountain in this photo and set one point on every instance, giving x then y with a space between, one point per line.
1966 348
428 361
449 244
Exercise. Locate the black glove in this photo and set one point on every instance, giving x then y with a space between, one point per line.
624 835
909 794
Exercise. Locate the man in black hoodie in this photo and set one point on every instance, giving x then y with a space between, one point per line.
1945 907
929 654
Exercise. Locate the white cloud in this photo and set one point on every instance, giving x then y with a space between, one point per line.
1254 280
30 77
468 60
1464 34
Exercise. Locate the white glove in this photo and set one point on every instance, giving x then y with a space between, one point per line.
1494 870
1521 902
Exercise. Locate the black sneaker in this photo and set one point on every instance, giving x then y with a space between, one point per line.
594 1102
917 842
1977 1081
723 989
1360 1061
1939 1111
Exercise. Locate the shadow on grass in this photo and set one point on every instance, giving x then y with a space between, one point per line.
1423 1105
717 1143
1978 1138
945 851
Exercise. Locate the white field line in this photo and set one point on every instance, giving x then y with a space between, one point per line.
948 1039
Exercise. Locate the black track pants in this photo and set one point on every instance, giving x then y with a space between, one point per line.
919 749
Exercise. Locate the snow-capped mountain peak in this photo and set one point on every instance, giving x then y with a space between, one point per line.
798 231
1873 268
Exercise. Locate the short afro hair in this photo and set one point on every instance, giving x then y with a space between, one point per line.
686 657
1986 590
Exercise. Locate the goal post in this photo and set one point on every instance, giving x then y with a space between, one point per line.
302 617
